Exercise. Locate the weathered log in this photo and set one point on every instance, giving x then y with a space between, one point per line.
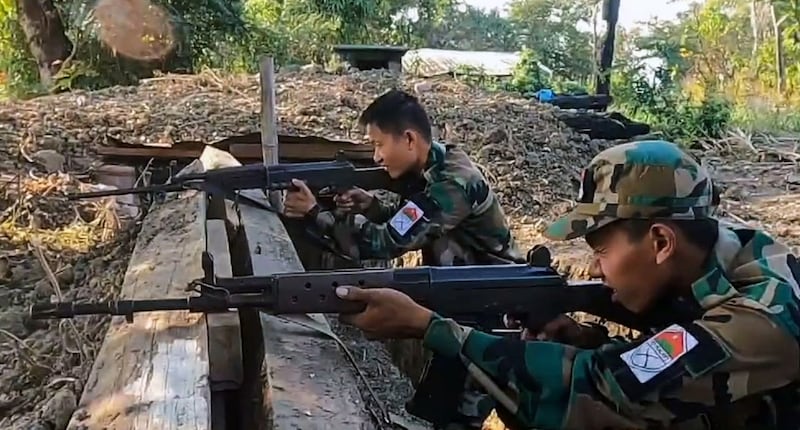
245 148
153 373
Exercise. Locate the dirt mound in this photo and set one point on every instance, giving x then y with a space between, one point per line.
526 152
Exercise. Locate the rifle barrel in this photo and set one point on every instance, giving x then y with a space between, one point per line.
47 310
124 191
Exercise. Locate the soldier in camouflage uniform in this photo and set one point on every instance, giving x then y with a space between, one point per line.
644 208
455 220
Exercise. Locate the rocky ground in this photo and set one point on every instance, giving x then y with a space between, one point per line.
531 159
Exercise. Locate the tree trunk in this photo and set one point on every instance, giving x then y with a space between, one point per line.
46 37
780 67
610 15
754 27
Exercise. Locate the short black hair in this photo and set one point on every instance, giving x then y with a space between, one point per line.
702 233
396 111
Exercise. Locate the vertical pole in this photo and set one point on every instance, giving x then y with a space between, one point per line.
269 123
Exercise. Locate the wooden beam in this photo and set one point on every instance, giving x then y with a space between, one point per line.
224 332
153 373
306 387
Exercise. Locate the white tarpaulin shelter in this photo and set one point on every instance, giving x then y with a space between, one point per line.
428 62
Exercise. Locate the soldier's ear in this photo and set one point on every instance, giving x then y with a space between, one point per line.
411 139
663 240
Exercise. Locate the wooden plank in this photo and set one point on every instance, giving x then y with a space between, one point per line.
307 387
224 332
153 373
243 151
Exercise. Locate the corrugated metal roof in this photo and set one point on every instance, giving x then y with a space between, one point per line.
428 62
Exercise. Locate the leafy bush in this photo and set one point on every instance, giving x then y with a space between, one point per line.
662 104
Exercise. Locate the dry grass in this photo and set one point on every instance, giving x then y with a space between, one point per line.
37 213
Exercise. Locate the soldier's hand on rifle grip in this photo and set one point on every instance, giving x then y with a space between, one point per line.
561 329
299 201
389 314
564 329
354 200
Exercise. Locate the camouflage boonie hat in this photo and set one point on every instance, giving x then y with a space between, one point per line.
645 180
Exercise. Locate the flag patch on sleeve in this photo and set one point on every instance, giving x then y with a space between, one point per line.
406 217
659 352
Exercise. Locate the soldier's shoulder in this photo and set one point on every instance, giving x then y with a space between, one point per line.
458 167
741 244
764 272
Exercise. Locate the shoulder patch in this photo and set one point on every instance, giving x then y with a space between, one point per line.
662 360
405 218
659 352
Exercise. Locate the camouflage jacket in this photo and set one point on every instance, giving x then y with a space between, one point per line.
736 367
456 220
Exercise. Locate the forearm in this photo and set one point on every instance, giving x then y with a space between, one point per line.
536 393
544 385
380 211
373 240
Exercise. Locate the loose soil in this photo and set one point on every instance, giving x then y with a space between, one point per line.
47 144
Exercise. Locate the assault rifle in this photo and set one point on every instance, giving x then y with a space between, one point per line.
534 293
322 177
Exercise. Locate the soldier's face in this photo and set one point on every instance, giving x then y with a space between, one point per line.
636 269
397 153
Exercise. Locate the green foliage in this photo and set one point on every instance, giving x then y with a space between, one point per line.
713 71
662 104
19 75
527 77
551 29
